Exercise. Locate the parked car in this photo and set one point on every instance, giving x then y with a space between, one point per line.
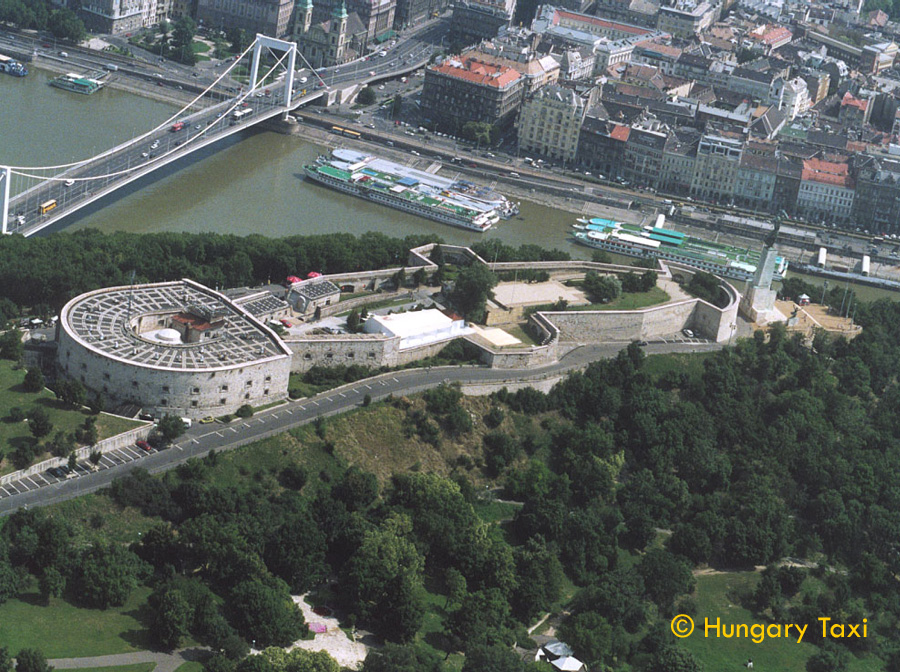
688 333
143 445
207 420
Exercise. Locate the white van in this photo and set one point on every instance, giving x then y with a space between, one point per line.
187 422
112 67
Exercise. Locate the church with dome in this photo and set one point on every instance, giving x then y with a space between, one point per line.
339 39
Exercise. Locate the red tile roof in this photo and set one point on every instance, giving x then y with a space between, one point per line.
620 133
477 72
850 100
827 172
602 23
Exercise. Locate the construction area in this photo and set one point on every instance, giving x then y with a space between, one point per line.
806 319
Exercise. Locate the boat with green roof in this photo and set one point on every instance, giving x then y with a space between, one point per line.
651 242
403 188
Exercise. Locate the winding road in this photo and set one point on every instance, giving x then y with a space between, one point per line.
200 439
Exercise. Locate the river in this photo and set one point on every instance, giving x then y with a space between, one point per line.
249 183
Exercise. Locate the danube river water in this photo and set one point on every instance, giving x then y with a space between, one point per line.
251 183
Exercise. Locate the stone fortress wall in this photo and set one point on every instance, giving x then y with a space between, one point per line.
187 391
219 390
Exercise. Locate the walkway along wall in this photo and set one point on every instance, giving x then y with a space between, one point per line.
118 441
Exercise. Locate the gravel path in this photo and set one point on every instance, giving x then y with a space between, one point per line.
165 662
334 640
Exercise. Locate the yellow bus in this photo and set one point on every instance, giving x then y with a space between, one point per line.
47 206
337 129
351 134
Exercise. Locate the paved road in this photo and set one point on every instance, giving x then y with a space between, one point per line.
165 662
199 440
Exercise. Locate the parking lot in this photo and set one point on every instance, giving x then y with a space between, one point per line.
110 459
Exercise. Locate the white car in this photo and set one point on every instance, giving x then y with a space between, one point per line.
69 183
688 333
145 155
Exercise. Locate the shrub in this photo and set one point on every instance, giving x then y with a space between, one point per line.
244 411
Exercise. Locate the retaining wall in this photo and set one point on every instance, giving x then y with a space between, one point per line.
124 439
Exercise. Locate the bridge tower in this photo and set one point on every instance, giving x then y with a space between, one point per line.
275 45
4 184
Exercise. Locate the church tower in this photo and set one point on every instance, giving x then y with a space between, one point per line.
339 26
303 12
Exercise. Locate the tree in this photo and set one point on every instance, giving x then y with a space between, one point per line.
73 462
496 658
170 617
401 658
105 575
383 580
264 612
65 25
171 427
478 132
34 380
71 392
353 321
62 444
245 411
665 576
238 38
673 658
367 96
10 581
183 38
39 423
456 586
397 106
6 659
601 257
32 660
11 346
52 583
472 289
602 288
95 457
592 638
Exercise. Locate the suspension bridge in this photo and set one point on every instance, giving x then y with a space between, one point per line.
46 194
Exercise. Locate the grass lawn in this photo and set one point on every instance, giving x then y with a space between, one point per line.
137 667
199 47
192 666
785 655
96 518
12 435
691 364
713 600
633 301
494 511
522 334
62 630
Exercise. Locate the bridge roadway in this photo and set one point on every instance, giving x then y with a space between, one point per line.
201 439
73 189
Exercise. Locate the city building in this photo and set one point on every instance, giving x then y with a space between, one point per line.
476 20
644 154
537 70
118 16
793 95
550 122
637 12
679 157
332 42
754 185
716 168
413 12
575 63
854 111
378 17
876 205
307 295
171 347
460 90
269 17
826 191
418 328
685 19
601 144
